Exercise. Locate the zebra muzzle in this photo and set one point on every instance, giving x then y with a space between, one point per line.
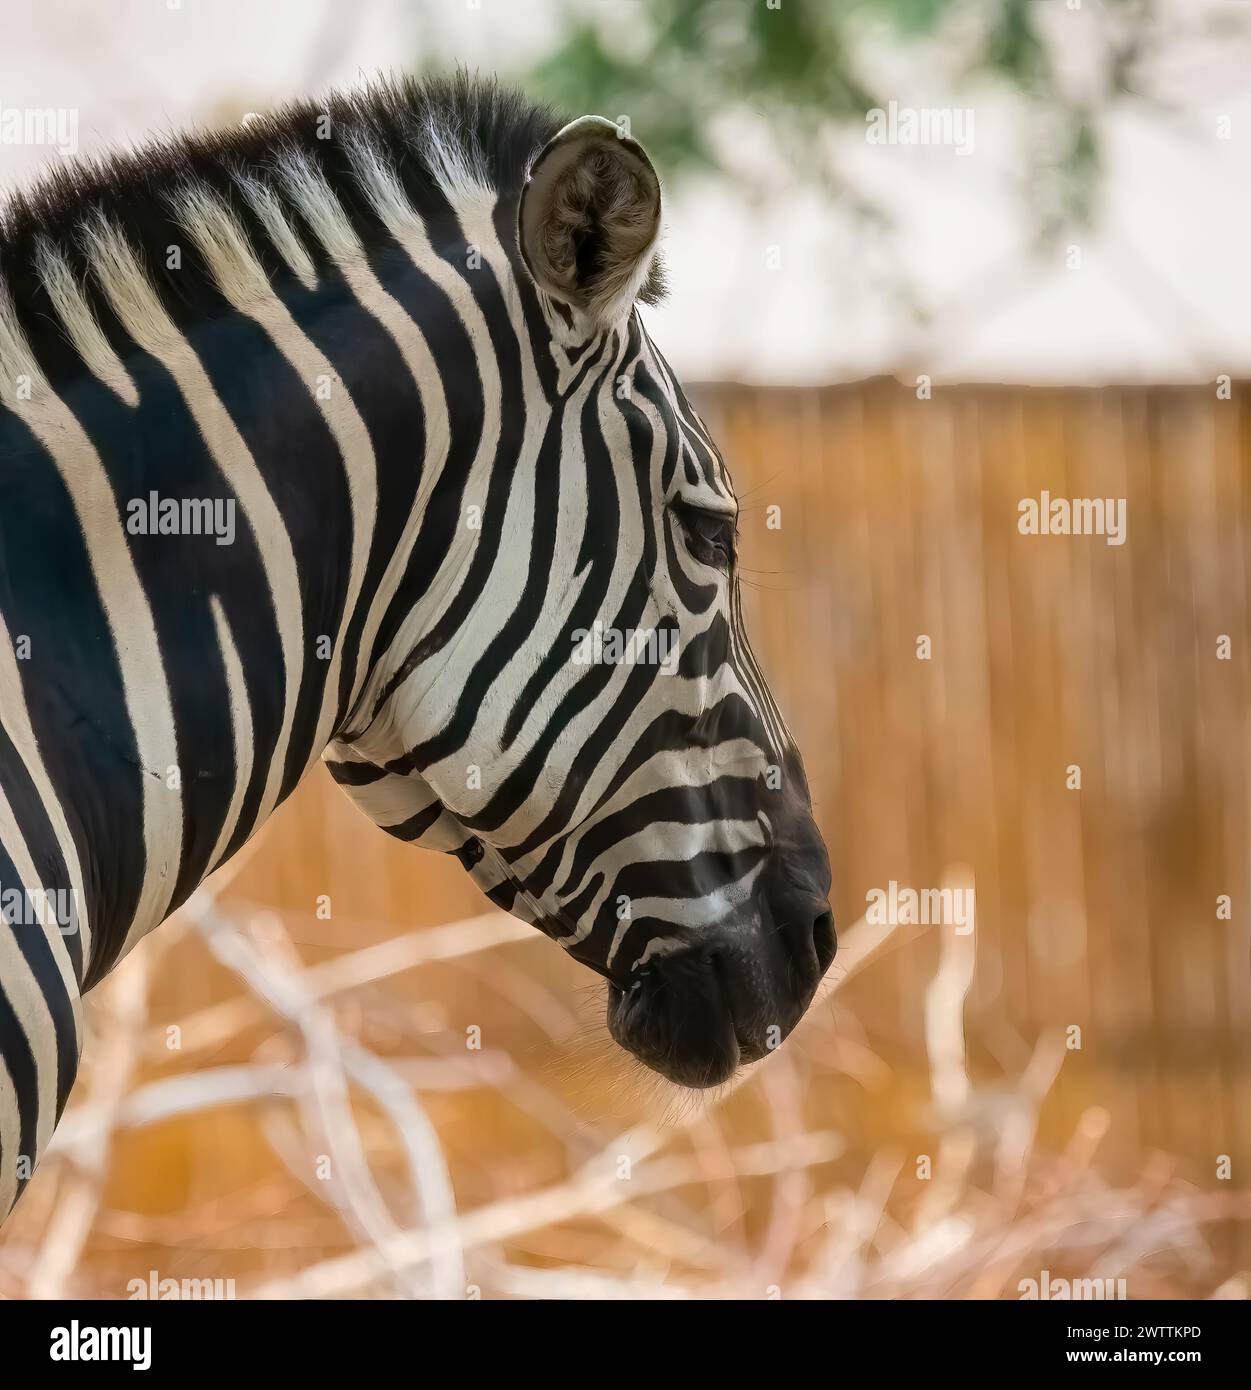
697 1015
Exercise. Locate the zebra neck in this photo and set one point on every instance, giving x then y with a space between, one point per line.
281 502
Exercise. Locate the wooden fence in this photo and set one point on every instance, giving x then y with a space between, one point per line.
1097 908
1059 721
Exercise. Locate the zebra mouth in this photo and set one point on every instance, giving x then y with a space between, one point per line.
697 1014
681 1021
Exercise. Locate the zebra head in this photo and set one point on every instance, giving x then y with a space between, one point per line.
580 717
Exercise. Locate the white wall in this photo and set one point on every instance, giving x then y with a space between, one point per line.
1164 288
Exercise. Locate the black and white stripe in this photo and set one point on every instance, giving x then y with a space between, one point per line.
449 444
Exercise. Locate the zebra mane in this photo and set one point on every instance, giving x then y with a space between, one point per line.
87 264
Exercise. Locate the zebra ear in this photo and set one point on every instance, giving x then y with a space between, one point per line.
589 218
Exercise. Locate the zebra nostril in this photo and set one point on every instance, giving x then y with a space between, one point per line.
811 941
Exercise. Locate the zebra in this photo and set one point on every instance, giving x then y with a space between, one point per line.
340 436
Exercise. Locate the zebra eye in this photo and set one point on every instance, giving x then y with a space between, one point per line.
709 535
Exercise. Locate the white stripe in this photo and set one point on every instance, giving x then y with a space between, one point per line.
20 987
133 634
21 377
239 275
145 318
15 718
240 728
80 323
14 842
10 1129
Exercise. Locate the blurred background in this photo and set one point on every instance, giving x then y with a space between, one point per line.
928 258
